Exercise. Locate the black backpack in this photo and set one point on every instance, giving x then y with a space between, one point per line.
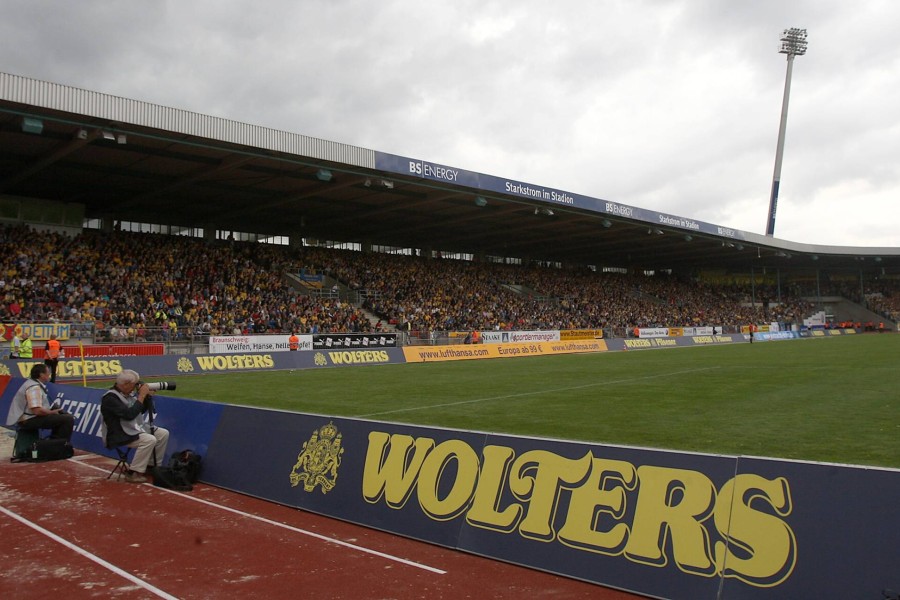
182 472
168 479
187 464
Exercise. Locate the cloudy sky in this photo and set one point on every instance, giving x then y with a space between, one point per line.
671 106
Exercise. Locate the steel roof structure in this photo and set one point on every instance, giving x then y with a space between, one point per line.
128 160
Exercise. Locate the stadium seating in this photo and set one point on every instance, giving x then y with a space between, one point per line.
149 287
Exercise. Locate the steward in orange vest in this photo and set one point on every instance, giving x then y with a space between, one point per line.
52 350
293 342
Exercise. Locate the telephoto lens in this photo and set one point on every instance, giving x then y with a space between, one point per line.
161 385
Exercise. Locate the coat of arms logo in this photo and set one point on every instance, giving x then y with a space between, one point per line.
318 462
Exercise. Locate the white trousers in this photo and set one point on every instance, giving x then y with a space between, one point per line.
147 445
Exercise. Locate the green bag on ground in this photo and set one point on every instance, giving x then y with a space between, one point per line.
25 439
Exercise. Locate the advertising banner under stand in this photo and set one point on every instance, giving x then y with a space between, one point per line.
225 344
353 341
511 337
190 364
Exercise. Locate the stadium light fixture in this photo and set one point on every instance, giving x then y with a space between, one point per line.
606 223
688 238
121 139
108 135
32 125
480 201
793 43
323 175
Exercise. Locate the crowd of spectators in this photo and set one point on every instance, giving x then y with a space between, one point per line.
454 295
142 286
129 285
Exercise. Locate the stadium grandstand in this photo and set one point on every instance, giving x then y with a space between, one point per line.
139 223
251 261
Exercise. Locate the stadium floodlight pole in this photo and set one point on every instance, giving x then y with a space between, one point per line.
793 43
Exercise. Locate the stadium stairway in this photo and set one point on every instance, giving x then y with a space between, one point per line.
839 309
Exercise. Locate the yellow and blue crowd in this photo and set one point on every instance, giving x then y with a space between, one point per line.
128 284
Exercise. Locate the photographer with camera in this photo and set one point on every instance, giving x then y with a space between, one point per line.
124 408
31 410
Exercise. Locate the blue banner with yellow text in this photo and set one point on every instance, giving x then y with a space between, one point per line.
194 364
670 524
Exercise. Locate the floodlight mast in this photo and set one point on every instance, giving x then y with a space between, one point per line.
793 43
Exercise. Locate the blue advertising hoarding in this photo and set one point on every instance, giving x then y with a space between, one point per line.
660 523
106 367
840 536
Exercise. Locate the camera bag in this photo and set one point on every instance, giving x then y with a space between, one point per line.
168 479
50 449
186 464
25 439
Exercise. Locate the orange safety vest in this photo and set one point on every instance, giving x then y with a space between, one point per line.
53 348
294 342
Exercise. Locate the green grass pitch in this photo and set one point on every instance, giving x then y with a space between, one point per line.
833 400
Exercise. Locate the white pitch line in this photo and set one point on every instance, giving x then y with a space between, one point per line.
92 557
534 393
297 530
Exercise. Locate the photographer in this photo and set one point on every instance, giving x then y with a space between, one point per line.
123 408
30 407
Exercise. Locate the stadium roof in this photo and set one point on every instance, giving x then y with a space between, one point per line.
134 161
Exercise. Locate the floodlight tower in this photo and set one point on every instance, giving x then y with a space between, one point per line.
793 43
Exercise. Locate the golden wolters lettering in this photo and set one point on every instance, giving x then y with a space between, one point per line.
766 544
675 511
74 368
638 344
235 361
358 357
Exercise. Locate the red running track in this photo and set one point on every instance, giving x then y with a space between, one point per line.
68 532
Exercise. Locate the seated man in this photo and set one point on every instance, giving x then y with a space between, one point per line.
123 408
30 407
